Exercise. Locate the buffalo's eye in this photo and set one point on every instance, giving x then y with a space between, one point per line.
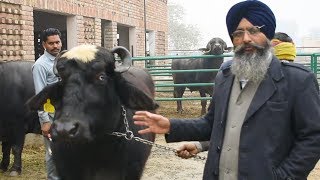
60 68
102 77
61 71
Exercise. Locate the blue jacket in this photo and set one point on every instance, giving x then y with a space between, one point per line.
280 136
43 75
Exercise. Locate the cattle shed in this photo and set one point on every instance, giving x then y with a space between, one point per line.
139 25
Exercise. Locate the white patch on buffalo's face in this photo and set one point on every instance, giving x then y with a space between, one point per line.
84 53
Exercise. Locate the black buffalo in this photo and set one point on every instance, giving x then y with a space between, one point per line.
93 100
16 87
216 46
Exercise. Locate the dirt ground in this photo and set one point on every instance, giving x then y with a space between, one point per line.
162 164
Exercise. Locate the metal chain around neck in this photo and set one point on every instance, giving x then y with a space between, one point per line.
128 135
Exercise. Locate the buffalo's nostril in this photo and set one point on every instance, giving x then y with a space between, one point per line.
65 129
74 129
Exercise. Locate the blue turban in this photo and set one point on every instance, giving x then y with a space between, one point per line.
256 12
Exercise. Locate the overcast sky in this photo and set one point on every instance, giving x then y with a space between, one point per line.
293 17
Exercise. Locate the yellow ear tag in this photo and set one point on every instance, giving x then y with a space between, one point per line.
48 107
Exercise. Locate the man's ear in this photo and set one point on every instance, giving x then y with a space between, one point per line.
52 92
136 90
43 43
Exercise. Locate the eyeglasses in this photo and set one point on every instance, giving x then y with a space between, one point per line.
254 30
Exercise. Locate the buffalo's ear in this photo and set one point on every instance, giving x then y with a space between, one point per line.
136 89
52 92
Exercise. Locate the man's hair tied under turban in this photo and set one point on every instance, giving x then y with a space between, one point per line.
256 12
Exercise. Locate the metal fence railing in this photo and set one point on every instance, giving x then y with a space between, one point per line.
160 68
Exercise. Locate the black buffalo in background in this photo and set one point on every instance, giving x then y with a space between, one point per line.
216 46
16 87
90 101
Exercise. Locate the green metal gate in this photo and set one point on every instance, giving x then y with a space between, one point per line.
161 71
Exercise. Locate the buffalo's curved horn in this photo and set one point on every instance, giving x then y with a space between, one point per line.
55 71
209 47
125 57
204 49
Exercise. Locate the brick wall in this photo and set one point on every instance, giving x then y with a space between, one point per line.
16 24
16 27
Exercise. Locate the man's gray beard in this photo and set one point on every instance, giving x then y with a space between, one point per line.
252 67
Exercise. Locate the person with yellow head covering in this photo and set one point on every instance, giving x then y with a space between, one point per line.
284 47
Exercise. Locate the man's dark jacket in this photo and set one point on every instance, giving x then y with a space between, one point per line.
280 136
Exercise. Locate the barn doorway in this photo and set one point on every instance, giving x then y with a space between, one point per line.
126 37
43 20
115 34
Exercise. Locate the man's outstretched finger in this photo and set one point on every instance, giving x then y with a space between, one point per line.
144 131
140 123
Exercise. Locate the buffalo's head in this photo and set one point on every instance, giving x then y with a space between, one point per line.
91 91
216 46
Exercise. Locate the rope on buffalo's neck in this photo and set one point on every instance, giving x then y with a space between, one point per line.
128 135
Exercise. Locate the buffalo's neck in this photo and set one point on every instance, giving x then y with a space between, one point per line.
89 151
96 160
209 63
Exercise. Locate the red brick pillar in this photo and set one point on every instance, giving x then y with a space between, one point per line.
97 31
160 43
27 35
110 34
140 33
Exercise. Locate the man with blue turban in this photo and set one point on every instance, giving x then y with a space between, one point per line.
263 122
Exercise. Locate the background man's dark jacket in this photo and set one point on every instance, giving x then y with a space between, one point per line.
280 137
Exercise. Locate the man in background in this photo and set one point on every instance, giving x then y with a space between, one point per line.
284 47
43 76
